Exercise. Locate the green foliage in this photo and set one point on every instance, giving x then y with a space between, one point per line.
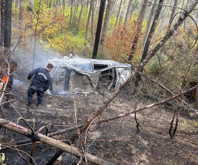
190 125
192 75
65 43
42 3
118 45
26 3
153 67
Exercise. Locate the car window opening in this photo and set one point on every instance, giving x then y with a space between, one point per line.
100 66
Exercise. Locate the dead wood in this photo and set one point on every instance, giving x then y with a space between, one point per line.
185 104
123 115
148 106
175 119
54 158
137 70
52 142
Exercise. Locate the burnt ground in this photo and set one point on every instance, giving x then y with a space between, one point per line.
116 141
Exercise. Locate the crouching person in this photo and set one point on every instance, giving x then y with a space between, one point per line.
39 84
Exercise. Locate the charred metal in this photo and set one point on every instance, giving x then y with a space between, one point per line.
71 75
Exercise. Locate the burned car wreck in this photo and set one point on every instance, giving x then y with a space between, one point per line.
71 75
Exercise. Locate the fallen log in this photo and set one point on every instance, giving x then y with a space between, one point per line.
52 142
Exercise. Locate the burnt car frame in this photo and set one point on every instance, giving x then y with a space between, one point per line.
77 74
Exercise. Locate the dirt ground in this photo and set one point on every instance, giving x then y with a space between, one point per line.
117 141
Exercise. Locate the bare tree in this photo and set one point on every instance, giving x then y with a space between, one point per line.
148 40
173 13
122 13
149 22
99 27
128 13
88 20
106 20
35 32
75 14
32 4
8 23
152 53
21 8
117 17
71 14
16 7
138 29
133 8
50 3
2 22
80 16
92 19
63 4
164 17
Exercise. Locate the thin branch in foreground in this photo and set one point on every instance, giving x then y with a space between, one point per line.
142 64
52 142
148 106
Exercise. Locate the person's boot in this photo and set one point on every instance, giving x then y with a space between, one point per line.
39 105
29 105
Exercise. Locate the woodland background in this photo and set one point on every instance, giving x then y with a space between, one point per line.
158 39
126 34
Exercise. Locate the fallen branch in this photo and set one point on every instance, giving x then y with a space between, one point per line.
123 115
137 70
52 142
148 106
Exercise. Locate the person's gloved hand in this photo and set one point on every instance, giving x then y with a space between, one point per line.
48 92
45 89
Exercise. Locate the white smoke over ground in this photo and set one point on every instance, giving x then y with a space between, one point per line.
24 58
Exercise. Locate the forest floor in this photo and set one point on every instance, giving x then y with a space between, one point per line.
116 141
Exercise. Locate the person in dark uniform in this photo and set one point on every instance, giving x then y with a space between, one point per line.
39 83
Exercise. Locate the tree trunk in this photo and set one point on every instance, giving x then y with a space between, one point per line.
138 30
32 4
152 30
149 22
35 33
118 14
8 23
133 8
21 11
106 21
50 3
148 40
80 16
57 3
63 3
108 100
71 14
122 13
163 21
92 19
75 15
2 22
128 13
88 20
99 27
173 13
16 7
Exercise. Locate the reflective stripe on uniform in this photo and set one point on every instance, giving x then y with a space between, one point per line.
42 74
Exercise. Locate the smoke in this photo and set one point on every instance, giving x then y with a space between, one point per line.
25 57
